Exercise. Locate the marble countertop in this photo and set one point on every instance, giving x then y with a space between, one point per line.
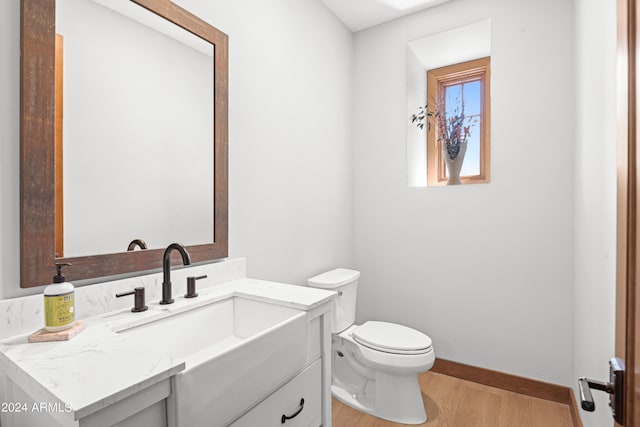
99 367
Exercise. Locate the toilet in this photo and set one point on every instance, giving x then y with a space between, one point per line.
375 365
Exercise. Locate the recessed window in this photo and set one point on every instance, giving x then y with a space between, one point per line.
458 135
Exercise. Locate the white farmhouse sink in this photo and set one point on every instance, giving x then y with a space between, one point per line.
236 351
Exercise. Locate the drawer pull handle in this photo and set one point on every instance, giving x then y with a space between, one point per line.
285 418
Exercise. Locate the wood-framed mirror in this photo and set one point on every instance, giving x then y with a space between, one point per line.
40 227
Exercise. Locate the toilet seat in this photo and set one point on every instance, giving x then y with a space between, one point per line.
391 338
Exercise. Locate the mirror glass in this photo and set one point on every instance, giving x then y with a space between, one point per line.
123 137
136 136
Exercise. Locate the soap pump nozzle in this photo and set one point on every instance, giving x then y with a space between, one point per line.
59 277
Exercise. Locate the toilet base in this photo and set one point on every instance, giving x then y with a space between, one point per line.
407 408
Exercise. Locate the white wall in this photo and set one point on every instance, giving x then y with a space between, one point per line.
486 270
290 92
595 199
290 86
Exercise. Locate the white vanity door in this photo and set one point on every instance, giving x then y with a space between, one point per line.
286 402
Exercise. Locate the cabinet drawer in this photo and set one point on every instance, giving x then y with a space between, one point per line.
286 401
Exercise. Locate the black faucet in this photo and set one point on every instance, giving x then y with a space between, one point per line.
166 270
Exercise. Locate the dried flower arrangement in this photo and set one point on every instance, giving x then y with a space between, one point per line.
451 132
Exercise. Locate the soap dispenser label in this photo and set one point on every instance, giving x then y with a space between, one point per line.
58 310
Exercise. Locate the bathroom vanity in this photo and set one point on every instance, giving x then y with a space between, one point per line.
245 352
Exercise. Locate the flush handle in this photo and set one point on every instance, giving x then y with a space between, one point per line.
295 414
615 389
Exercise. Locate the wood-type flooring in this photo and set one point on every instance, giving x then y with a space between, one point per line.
453 402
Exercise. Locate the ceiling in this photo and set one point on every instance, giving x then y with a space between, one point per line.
360 14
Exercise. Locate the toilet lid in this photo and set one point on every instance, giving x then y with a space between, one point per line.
392 338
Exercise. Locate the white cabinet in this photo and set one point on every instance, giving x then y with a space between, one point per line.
313 385
298 403
146 408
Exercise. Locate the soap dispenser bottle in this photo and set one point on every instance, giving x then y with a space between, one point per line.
59 309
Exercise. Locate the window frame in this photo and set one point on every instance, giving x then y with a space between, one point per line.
437 80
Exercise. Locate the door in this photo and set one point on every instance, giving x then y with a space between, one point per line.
627 296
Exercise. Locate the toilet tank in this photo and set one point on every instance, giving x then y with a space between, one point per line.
345 282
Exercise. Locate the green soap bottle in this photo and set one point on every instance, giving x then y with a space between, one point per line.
59 305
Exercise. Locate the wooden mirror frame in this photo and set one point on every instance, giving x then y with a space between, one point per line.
37 171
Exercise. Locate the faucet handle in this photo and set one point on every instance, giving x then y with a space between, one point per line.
138 299
191 286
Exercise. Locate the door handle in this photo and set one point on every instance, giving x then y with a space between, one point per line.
615 389
585 384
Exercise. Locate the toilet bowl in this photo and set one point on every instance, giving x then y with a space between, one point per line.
375 365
